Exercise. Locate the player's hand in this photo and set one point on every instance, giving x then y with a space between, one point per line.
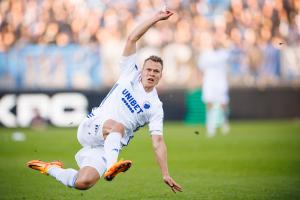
163 15
175 187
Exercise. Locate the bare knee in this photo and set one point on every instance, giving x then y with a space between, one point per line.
87 177
118 127
84 184
112 126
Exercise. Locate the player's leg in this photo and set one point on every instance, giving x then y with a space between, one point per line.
92 166
208 97
69 176
224 99
65 176
86 178
210 119
113 132
225 128
109 135
54 169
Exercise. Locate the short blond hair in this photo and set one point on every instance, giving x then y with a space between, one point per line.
155 59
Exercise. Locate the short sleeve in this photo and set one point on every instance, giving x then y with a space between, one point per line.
156 121
128 64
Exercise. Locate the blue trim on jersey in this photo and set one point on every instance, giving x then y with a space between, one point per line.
91 114
104 160
137 128
136 67
130 137
109 93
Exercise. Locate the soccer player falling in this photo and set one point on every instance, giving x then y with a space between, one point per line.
131 103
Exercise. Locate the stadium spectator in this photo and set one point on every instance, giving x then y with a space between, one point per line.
107 129
63 23
237 57
254 56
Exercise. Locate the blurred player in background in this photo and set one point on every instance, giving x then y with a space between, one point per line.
37 121
131 103
213 65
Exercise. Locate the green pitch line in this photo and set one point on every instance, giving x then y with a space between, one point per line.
257 160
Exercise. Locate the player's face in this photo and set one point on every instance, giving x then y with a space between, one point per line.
151 74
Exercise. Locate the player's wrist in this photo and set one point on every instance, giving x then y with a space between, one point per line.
158 17
166 176
155 19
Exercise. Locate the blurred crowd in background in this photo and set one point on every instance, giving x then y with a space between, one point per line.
77 44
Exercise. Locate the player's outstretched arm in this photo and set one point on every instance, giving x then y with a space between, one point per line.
141 29
160 150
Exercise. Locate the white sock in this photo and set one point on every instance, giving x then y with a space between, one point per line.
65 176
112 147
210 122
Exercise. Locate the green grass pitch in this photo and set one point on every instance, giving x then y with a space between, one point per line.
257 160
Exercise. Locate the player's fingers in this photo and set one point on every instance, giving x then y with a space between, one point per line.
172 182
176 186
173 189
173 185
169 183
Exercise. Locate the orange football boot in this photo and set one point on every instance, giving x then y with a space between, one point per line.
42 166
121 166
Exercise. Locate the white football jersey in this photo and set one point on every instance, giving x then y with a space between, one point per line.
128 102
213 64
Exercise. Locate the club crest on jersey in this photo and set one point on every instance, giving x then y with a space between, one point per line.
147 105
130 102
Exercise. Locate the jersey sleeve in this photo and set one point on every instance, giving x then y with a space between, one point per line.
156 121
128 66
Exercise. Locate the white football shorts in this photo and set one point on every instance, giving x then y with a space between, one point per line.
90 136
89 132
91 157
215 96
